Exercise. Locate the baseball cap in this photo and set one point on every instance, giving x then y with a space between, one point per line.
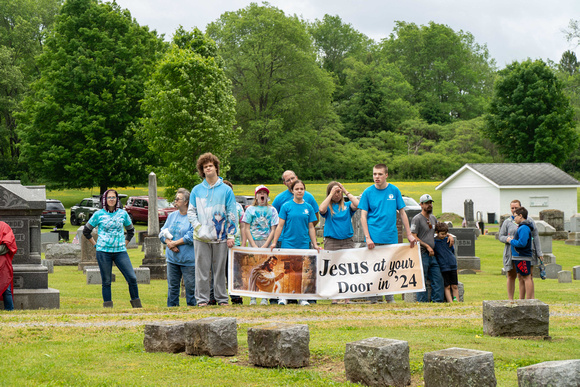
260 188
426 198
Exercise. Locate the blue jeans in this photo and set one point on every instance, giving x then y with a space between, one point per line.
431 270
123 263
7 298
174 274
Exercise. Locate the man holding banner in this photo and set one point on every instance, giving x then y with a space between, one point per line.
379 204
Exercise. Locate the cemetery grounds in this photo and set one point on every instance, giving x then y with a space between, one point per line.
83 344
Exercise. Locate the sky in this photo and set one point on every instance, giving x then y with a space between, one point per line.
511 29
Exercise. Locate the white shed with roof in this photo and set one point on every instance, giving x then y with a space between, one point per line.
539 186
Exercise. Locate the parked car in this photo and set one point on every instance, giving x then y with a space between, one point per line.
82 212
412 208
245 200
138 209
54 214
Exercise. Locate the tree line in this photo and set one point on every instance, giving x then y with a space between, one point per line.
89 98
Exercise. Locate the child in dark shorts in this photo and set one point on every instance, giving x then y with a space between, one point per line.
445 255
521 245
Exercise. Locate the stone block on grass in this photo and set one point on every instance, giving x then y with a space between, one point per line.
378 361
561 373
458 367
519 318
211 336
94 277
89 267
576 273
564 276
143 275
49 264
164 337
552 270
279 345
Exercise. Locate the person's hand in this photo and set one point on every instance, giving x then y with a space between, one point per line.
231 243
272 246
450 240
430 251
175 249
335 189
370 243
509 239
412 240
318 248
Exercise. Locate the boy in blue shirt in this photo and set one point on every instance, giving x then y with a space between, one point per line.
445 256
521 245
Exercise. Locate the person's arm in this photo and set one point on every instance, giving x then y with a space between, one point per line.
425 245
248 234
130 233
405 221
523 237
450 240
192 213
326 202
353 199
365 227
503 231
277 235
536 242
312 233
271 235
88 229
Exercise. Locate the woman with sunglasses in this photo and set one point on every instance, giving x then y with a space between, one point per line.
111 245
177 235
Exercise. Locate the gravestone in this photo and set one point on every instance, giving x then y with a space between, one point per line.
48 264
518 318
211 336
164 337
574 223
573 239
359 236
378 361
459 367
555 218
143 275
564 276
546 232
465 248
279 345
561 373
154 258
94 277
576 273
63 254
552 270
88 251
47 238
21 208
469 214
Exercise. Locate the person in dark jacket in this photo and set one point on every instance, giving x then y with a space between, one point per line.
445 256
521 245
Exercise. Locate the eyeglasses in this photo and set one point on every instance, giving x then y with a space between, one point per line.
178 199
111 197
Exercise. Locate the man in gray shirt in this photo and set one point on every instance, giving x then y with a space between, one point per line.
423 228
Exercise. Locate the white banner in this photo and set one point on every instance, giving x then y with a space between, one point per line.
307 274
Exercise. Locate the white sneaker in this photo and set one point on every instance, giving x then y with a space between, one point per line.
282 301
252 301
264 301
304 303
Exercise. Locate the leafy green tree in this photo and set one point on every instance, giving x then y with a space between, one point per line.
189 109
23 28
77 126
451 74
336 41
569 63
281 91
530 118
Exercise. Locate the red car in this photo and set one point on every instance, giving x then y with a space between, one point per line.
138 208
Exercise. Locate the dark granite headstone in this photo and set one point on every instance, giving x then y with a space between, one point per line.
20 208
465 248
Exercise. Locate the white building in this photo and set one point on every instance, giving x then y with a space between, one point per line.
539 186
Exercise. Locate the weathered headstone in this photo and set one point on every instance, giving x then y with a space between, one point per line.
458 367
48 264
576 273
546 232
143 275
47 238
555 218
154 257
377 361
519 318
564 276
575 223
552 270
573 239
94 277
465 248
164 337
21 208
88 268
88 251
63 254
279 345
469 214
211 336
561 373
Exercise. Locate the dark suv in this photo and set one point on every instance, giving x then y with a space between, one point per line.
54 214
138 209
82 212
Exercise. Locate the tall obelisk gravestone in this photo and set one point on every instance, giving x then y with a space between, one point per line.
154 257
20 208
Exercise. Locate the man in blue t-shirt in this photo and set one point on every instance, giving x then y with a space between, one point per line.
288 178
379 204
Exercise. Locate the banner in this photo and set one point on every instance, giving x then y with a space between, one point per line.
307 274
